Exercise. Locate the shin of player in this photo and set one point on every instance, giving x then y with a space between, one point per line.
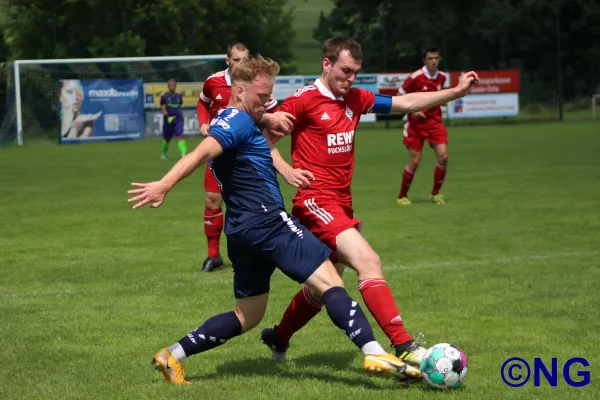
332 105
260 234
170 104
425 126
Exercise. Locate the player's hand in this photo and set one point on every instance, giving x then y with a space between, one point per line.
153 192
419 114
170 119
204 130
279 123
298 178
466 81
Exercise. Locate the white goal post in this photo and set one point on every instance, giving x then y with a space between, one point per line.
18 64
595 99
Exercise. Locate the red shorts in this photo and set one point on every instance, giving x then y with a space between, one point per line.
325 219
415 136
210 182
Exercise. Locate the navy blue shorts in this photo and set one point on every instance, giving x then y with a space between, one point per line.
174 128
278 242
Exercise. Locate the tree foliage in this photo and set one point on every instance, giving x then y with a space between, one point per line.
479 34
36 29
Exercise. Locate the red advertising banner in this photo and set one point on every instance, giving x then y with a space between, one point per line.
504 81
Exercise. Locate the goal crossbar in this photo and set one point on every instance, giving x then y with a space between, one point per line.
18 63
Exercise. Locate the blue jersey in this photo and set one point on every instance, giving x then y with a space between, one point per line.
245 171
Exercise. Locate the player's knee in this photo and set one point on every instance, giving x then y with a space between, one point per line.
443 158
415 159
249 318
370 266
324 278
213 200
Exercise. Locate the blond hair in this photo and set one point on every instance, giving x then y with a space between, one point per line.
248 69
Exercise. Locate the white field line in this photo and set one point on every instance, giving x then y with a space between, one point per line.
201 282
488 261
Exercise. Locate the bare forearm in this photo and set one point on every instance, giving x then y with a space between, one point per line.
206 151
184 167
414 102
279 163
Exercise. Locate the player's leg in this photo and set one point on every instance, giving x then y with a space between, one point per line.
355 251
213 332
251 287
303 307
213 221
413 141
167 132
302 257
178 132
439 143
325 225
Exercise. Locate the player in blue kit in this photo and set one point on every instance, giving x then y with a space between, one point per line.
170 105
261 235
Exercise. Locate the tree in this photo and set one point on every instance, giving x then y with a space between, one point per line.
116 28
479 34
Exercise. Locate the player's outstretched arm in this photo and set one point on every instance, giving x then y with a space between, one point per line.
156 192
413 102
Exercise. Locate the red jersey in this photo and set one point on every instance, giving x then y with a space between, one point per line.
215 96
421 81
323 137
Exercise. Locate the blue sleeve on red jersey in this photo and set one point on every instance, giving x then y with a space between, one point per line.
382 104
231 129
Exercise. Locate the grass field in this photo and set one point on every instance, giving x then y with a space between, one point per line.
307 51
508 267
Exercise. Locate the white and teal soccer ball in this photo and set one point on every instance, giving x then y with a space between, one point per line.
444 366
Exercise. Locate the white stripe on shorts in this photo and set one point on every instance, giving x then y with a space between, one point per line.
321 213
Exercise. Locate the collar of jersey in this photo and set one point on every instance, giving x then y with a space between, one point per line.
427 73
326 92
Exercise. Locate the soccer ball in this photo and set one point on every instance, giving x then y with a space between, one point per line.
444 366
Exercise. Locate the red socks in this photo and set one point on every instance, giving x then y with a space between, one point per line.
300 311
407 178
438 178
377 296
213 225
380 302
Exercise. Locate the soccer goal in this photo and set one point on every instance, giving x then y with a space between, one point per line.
36 88
595 105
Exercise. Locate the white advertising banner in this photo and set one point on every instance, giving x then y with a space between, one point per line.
485 105
285 86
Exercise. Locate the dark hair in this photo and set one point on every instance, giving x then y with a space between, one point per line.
239 46
332 48
430 49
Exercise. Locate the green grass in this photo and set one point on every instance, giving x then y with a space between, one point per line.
307 51
508 267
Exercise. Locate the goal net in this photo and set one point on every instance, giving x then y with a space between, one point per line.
34 110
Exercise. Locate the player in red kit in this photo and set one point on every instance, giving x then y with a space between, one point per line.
424 126
326 116
214 97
